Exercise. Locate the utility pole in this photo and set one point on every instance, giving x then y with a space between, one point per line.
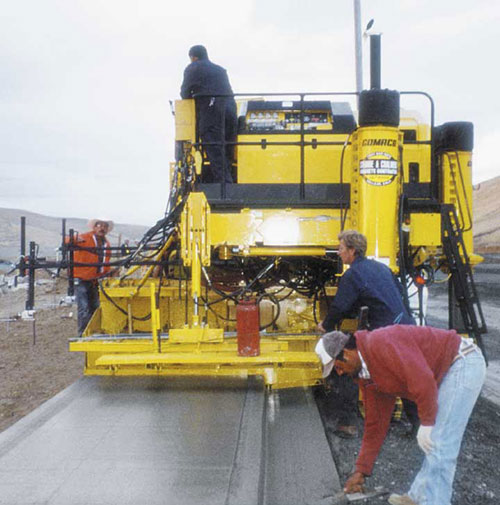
358 45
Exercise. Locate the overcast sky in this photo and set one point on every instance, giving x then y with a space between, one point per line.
86 128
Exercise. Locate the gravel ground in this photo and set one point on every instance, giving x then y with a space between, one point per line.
476 482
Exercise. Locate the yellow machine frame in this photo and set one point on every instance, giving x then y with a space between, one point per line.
153 325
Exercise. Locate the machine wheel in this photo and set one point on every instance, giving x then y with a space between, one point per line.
454 136
379 106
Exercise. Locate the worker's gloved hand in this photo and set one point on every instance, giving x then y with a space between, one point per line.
354 483
424 438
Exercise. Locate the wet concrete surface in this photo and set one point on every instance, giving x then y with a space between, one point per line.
299 464
125 441
147 441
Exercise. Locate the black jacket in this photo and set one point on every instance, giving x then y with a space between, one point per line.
372 284
202 77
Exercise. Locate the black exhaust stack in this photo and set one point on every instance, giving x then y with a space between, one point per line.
375 61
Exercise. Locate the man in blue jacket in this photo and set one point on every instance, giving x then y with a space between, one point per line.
367 283
216 111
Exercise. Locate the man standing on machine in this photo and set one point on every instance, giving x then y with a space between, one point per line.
209 84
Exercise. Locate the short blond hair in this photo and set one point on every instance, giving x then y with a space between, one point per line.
354 240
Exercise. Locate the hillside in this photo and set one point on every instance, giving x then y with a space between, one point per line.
46 232
487 216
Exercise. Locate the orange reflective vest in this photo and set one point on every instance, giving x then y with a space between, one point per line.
84 255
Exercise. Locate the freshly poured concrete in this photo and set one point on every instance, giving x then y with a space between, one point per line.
107 441
299 464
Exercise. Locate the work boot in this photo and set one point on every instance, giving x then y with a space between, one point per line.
411 430
346 431
401 499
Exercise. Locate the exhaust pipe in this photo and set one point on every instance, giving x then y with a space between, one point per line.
375 61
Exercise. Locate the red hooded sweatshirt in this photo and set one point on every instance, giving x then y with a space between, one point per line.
405 361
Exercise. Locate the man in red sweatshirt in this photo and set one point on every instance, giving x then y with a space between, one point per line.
438 370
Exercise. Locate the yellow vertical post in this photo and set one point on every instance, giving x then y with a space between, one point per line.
195 283
377 174
155 318
195 245
377 190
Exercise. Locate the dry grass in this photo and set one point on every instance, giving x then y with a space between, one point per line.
32 369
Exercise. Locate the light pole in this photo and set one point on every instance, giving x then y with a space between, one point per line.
358 46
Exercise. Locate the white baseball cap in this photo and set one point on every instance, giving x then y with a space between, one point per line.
329 346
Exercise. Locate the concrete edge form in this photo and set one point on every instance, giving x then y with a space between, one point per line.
299 466
245 486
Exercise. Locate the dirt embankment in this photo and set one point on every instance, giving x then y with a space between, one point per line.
486 209
34 360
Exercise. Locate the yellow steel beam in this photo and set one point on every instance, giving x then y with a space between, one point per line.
196 334
285 251
207 358
281 369
276 228
144 346
275 376
130 291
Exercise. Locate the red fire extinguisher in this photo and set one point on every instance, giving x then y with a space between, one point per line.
247 327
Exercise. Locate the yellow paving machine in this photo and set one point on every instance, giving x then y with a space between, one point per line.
234 279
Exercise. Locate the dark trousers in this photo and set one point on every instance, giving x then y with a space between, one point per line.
217 123
345 395
411 412
87 301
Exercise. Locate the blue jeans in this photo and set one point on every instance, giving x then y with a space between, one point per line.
458 393
87 301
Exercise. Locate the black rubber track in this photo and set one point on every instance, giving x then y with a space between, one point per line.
454 136
379 107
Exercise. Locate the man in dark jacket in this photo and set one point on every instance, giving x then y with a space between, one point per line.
217 121
438 370
367 283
